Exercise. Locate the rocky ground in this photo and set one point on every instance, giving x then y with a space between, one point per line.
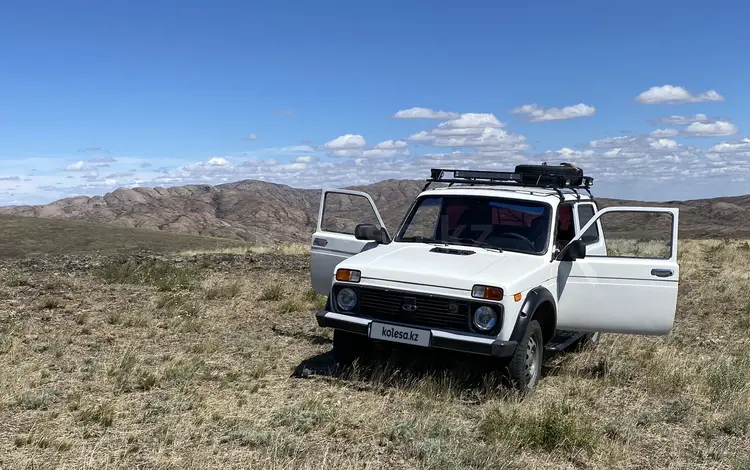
204 360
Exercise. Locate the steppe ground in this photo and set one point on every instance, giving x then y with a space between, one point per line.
197 361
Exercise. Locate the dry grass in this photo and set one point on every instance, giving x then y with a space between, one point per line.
31 236
295 249
223 366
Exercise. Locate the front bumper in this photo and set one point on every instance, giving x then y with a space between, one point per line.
439 338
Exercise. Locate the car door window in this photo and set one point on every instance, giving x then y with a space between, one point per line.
565 229
646 235
586 213
343 212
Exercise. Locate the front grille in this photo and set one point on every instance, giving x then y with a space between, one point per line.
431 311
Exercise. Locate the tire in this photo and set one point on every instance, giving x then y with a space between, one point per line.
525 366
348 347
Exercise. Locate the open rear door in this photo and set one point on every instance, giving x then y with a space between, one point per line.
632 287
341 210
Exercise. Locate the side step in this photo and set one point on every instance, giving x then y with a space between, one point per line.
563 339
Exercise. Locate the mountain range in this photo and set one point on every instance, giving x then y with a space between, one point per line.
262 212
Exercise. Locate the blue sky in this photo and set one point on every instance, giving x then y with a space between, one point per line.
97 95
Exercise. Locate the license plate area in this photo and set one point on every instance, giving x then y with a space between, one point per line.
400 334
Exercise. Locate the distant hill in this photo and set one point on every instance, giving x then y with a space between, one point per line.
28 236
261 212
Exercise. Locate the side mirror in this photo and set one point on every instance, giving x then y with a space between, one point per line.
368 232
575 250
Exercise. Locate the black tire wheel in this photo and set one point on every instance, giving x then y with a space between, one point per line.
348 347
525 366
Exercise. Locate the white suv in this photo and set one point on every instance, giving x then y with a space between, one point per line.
496 263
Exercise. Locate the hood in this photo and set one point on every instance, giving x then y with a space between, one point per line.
421 263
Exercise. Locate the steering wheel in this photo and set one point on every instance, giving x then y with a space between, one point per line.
517 236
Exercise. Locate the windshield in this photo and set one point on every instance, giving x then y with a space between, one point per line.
505 224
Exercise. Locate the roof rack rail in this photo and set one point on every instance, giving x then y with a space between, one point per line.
565 176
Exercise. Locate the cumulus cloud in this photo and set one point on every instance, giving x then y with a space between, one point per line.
471 121
421 136
385 153
424 113
102 160
345 153
145 165
392 144
213 165
658 133
711 129
346 142
119 175
10 178
250 137
489 137
664 144
670 94
732 147
78 166
536 113
683 120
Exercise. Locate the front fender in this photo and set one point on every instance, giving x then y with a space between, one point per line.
536 297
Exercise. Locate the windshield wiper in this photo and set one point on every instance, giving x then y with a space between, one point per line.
472 242
421 239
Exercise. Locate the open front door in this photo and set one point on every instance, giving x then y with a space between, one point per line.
632 287
341 210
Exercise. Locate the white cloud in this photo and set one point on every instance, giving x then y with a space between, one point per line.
539 114
102 160
471 120
345 153
670 94
711 129
664 144
732 147
78 166
498 138
250 137
213 165
659 133
346 141
424 113
421 136
612 142
683 120
392 144
385 153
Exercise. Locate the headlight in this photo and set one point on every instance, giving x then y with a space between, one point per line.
346 299
485 318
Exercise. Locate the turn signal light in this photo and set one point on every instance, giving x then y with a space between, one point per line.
347 275
487 292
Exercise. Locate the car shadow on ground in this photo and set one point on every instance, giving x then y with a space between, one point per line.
471 377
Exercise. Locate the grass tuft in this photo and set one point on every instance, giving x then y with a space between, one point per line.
162 275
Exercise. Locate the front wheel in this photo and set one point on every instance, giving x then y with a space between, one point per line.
526 364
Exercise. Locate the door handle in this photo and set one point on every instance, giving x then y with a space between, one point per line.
661 272
320 242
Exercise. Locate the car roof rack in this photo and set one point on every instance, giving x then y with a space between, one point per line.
540 178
